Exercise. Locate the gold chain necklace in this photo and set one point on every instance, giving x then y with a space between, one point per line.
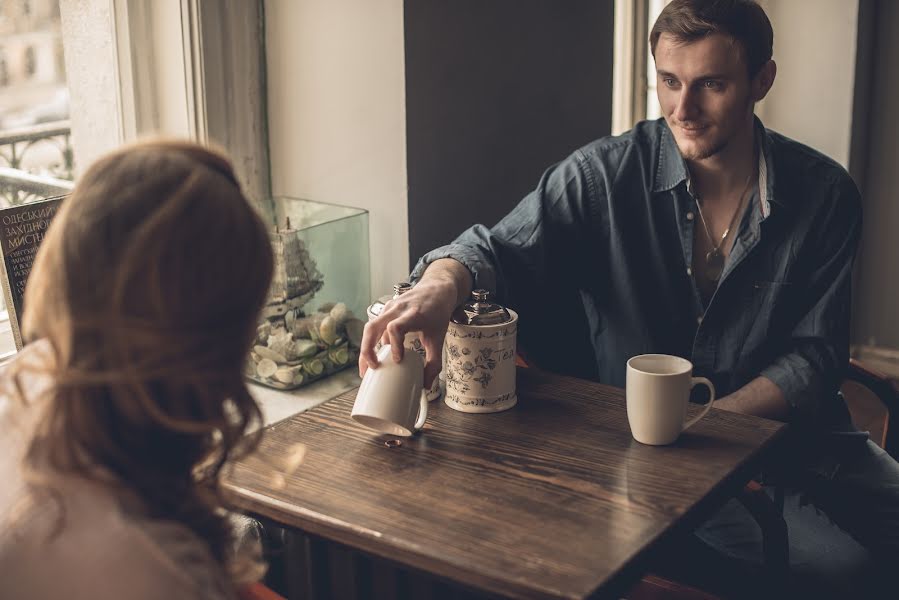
714 258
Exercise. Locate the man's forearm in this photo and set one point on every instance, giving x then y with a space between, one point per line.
449 270
760 397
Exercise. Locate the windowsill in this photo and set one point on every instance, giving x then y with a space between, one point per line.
7 343
277 405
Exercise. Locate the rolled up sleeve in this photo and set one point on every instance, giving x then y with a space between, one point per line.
811 371
542 236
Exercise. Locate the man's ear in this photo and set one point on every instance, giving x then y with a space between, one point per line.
763 81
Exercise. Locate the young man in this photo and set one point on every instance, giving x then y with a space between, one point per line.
702 235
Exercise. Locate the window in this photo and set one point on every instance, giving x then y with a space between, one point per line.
36 158
634 89
653 110
143 67
30 62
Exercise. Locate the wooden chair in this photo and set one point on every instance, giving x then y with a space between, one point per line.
874 405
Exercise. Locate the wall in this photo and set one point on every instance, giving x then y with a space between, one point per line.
495 93
336 106
877 291
814 48
837 88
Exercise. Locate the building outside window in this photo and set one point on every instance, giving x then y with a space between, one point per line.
36 158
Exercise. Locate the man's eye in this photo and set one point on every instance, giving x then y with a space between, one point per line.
712 85
669 82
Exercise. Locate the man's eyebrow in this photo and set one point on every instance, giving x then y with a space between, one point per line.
705 76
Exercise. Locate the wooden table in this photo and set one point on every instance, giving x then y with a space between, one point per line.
553 498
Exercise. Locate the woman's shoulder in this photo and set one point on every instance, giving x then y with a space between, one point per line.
77 542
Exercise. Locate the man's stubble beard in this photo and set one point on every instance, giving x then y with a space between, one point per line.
703 153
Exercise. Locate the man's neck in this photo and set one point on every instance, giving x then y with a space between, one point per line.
727 170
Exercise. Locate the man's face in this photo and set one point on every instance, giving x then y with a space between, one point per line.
704 91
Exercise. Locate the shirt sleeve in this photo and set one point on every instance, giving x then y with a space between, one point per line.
812 369
540 240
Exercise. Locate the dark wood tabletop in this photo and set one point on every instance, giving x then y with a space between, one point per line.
552 498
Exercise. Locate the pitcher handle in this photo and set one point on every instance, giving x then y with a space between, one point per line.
693 382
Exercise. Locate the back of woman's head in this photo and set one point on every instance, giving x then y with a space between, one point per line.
147 288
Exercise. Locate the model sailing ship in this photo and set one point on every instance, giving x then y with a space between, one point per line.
293 348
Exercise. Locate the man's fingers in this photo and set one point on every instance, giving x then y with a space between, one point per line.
367 355
397 335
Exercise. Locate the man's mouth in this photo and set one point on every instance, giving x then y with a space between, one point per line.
692 130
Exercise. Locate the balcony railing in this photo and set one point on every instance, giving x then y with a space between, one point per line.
35 162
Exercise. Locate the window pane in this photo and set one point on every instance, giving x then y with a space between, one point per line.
653 111
36 159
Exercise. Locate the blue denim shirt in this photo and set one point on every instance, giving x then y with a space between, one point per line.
596 262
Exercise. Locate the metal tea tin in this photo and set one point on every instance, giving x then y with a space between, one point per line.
479 356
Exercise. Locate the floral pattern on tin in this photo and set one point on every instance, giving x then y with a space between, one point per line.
466 401
466 369
480 335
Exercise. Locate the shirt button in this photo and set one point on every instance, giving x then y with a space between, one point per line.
689 271
689 216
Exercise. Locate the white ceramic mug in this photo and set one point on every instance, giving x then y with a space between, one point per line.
658 390
390 399
412 341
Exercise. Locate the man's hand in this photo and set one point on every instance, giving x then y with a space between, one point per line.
426 308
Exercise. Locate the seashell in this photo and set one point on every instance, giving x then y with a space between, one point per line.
328 330
314 366
354 329
339 355
289 319
266 352
339 313
285 374
266 368
298 377
262 332
305 348
326 307
283 344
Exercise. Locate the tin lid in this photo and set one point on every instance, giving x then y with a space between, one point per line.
398 289
480 311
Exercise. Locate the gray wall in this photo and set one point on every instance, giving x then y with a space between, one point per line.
496 91
876 302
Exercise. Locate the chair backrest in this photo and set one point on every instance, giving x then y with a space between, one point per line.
874 405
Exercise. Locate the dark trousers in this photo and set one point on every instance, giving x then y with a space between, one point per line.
842 514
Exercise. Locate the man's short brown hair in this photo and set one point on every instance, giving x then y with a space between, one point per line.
743 20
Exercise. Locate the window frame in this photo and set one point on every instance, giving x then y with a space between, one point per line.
118 54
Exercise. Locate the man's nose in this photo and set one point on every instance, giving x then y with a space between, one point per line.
686 108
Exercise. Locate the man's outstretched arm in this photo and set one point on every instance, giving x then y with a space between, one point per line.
760 397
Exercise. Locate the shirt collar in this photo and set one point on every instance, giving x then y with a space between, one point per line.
672 169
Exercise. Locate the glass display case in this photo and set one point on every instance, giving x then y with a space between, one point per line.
310 327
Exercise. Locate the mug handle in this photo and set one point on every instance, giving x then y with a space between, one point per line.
693 382
422 412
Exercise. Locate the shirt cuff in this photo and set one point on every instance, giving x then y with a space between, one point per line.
482 273
796 379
